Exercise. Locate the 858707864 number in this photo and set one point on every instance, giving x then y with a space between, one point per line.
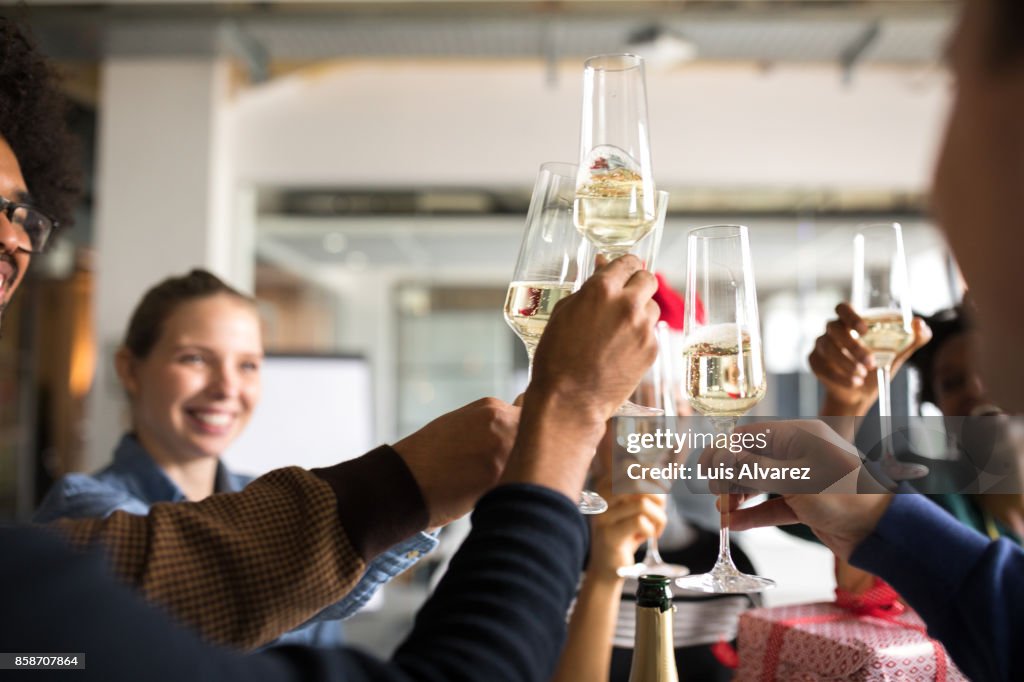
18 661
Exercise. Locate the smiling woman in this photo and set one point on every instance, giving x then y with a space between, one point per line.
190 367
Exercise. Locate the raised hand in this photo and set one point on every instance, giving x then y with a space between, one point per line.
601 340
845 366
595 349
459 456
839 519
617 533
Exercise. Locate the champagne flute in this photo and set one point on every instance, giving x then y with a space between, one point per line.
616 204
723 365
881 297
548 270
655 390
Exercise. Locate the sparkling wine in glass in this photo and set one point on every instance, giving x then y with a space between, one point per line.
881 296
548 270
655 391
723 364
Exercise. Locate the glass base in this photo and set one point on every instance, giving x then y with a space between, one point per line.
903 471
591 503
641 568
725 580
631 409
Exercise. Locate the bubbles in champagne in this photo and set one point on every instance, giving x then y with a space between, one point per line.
723 373
888 333
610 206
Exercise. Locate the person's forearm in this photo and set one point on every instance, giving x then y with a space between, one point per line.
555 444
833 407
499 612
498 615
967 589
843 415
378 500
588 649
240 568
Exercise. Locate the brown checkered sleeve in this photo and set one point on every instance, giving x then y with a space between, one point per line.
241 568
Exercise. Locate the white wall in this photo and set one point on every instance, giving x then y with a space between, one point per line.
164 202
491 124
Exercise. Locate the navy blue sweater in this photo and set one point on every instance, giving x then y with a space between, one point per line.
499 613
968 590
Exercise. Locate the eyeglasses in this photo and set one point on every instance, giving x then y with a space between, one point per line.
35 225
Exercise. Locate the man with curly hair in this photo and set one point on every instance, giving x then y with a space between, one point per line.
241 568
36 150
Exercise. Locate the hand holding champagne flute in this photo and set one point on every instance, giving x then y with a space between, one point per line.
617 205
881 296
548 270
723 368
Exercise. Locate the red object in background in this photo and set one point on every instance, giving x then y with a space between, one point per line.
673 308
867 637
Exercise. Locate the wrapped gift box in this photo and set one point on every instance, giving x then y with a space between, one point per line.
825 642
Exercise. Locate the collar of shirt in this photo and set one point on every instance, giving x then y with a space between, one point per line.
134 468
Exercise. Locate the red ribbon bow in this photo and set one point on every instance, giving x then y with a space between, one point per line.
879 601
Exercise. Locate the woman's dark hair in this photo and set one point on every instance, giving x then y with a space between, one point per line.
160 302
945 325
33 122
1007 33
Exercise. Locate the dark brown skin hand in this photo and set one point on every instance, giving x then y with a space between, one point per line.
459 456
601 340
596 348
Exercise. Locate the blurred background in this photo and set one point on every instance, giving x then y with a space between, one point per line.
364 168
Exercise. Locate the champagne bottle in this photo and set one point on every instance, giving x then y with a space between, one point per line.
654 656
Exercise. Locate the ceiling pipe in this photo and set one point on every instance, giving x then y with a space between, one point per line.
857 50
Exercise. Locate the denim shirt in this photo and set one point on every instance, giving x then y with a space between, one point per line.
133 482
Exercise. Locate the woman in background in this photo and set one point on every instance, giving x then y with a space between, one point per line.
190 366
942 354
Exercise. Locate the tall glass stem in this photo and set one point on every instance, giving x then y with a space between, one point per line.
893 468
725 578
531 350
885 404
653 556
724 425
652 564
